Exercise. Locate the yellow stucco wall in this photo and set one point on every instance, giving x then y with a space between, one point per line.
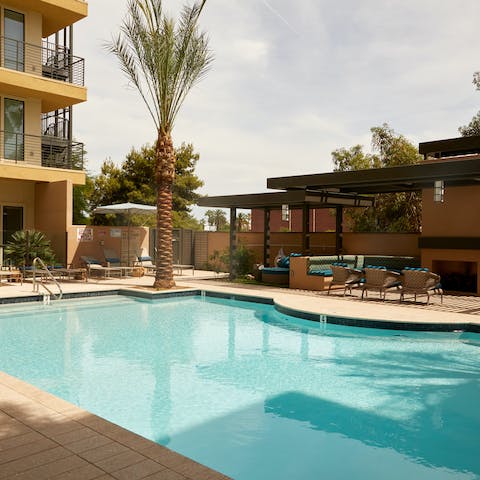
53 213
56 14
21 171
457 216
19 194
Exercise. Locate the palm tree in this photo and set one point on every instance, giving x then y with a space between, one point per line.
164 59
217 218
244 221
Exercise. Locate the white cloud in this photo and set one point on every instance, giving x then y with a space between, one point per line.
277 102
250 50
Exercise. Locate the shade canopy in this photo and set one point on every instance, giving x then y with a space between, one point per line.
126 208
292 198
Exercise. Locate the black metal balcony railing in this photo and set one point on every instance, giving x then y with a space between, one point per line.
55 124
45 150
49 60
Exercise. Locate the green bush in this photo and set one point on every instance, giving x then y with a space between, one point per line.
243 259
26 245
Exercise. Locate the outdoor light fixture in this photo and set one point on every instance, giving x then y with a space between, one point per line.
285 213
438 191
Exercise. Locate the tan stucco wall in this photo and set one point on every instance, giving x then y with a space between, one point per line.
19 194
206 243
53 213
102 240
402 244
457 216
57 14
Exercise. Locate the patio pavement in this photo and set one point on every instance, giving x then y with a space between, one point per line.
44 437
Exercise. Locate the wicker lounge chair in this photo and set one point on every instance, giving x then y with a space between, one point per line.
420 282
346 277
380 279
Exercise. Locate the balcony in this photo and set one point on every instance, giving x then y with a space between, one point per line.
46 150
56 14
29 71
49 60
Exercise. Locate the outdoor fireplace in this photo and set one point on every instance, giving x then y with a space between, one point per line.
457 276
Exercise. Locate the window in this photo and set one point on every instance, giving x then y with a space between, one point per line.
438 191
13 122
12 221
14 48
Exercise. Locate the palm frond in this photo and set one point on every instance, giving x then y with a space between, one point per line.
163 59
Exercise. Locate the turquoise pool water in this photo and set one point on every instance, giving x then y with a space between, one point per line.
256 394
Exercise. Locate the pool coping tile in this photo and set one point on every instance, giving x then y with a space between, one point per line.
65 441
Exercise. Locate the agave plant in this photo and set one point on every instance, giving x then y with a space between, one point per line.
26 245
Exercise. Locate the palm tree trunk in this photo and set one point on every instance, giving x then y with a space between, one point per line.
165 175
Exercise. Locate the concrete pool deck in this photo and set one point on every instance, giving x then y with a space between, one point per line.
43 437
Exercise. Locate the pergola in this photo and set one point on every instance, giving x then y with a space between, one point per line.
355 188
295 199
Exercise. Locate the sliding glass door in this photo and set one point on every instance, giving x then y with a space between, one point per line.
13 121
14 37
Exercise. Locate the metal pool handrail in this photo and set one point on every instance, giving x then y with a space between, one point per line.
46 271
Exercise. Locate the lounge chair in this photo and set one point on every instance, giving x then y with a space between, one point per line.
113 260
420 282
147 263
69 273
380 279
95 268
150 268
346 277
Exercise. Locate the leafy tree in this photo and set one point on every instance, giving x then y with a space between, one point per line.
134 181
218 219
163 59
187 221
473 128
26 245
81 201
392 212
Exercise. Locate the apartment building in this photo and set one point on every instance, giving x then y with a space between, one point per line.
41 79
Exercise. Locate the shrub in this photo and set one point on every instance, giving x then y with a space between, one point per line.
26 245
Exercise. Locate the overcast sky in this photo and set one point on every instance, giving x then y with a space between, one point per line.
291 81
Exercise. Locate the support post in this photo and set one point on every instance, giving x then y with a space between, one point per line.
266 237
339 230
233 241
305 230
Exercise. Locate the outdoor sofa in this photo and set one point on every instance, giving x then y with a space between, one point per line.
315 272
280 274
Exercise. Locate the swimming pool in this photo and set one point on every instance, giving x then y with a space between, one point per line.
254 393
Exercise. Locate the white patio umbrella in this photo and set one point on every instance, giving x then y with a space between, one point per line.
127 209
